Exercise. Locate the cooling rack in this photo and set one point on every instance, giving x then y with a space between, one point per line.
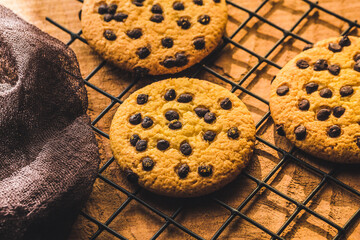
287 156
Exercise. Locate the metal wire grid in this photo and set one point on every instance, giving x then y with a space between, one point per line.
261 183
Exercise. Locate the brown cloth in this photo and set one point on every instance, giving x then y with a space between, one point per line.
49 156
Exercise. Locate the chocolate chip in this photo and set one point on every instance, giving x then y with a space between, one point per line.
209 117
185 148
226 104
302 64
131 176
183 170
169 62
345 41
138 3
198 2
142 99
158 18
320 65
172 115
346 91
358 141
141 145
308 46
181 59
357 66
108 17
311 87
323 114
109 35
135 119
357 57
334 131
103 9
300 132
199 43
134 139
178 6
175 124
80 13
282 90
141 71
156 8
147 122
167 42
162 145
334 69
304 105
200 111
325 93
233 133
143 52
338 111
184 23
170 95
334 47
185 98
204 19
217 1
205 170
280 129
134 33
120 17
209 135
112 8
147 164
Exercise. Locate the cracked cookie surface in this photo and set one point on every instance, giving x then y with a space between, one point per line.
315 100
182 137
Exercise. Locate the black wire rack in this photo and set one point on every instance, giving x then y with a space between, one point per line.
287 156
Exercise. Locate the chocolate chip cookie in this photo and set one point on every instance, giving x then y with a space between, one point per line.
315 100
182 137
153 37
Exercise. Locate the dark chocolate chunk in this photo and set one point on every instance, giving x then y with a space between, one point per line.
346 91
308 46
198 2
199 43
175 124
323 114
357 57
282 90
300 132
167 42
334 47
311 87
209 135
112 8
134 33
138 3
156 8
162 145
147 164
184 23
280 129
338 111
358 141
109 35
80 13
169 62
302 64
185 148
183 170
217 1
345 41
131 176
170 95
135 119
200 111
143 52
181 59
103 8
325 93
158 18
204 19
205 170
141 71
147 122
226 104
134 139
141 145
334 69
304 105
108 17
233 133
357 66
142 99
209 117
120 17
320 65
172 115
178 6
334 131
185 98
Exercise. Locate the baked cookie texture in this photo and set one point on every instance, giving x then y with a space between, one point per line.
154 37
200 138
315 100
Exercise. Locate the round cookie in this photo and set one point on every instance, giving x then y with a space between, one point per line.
182 137
315 100
154 37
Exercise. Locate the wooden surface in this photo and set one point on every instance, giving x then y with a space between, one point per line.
202 215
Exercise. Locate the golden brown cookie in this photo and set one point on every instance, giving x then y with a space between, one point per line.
154 37
182 137
315 100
